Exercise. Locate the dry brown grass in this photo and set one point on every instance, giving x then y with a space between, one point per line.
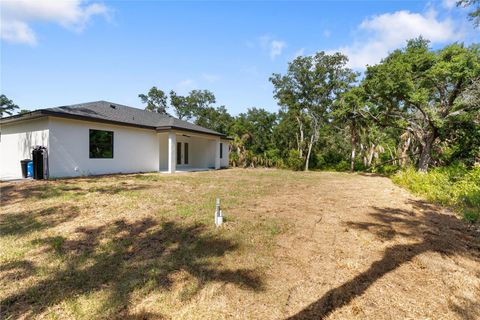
294 245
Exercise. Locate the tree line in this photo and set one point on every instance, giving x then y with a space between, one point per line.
418 106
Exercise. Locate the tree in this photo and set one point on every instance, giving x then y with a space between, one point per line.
285 133
180 106
348 113
156 100
307 92
197 103
200 99
475 14
471 96
462 140
6 106
217 119
258 124
419 90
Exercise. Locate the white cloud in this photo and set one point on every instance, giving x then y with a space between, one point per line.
449 4
379 35
17 32
273 46
17 16
276 48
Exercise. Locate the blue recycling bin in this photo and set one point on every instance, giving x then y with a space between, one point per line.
30 169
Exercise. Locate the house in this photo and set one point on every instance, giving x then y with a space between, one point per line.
103 137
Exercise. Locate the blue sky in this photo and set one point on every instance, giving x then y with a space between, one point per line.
64 52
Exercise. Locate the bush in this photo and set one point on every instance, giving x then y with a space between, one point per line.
471 216
234 159
387 169
294 161
328 159
342 166
454 186
275 158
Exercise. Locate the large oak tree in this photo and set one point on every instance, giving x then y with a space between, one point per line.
420 90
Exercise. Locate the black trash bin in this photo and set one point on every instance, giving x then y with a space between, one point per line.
24 164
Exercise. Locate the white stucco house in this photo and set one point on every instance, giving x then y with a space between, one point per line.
103 137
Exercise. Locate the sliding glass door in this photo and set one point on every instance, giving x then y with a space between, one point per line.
182 153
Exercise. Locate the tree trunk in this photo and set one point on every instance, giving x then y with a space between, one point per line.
307 161
370 154
363 154
298 141
302 137
353 135
426 154
352 160
404 150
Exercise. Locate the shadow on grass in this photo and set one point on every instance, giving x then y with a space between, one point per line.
24 222
468 309
66 190
123 258
15 270
432 231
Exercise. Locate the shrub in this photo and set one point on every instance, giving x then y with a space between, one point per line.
234 159
387 169
471 216
328 159
294 161
342 166
454 186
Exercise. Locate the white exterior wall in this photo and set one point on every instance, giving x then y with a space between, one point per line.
67 142
163 140
134 149
201 155
224 162
17 141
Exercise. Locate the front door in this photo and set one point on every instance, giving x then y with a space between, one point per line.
182 153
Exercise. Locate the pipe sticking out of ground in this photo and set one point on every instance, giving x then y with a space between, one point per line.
218 214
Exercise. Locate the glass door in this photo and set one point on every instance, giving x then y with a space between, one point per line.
182 153
179 153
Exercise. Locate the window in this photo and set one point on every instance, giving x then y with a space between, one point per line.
221 150
185 154
101 144
179 153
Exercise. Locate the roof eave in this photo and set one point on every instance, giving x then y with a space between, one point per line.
45 112
168 128
23 116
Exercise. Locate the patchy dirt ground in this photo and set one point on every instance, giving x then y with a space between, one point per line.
294 246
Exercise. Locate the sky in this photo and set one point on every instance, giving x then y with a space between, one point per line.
57 53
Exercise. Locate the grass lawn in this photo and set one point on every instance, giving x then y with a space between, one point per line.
294 245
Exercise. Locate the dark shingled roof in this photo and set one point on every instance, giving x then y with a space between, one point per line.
110 112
